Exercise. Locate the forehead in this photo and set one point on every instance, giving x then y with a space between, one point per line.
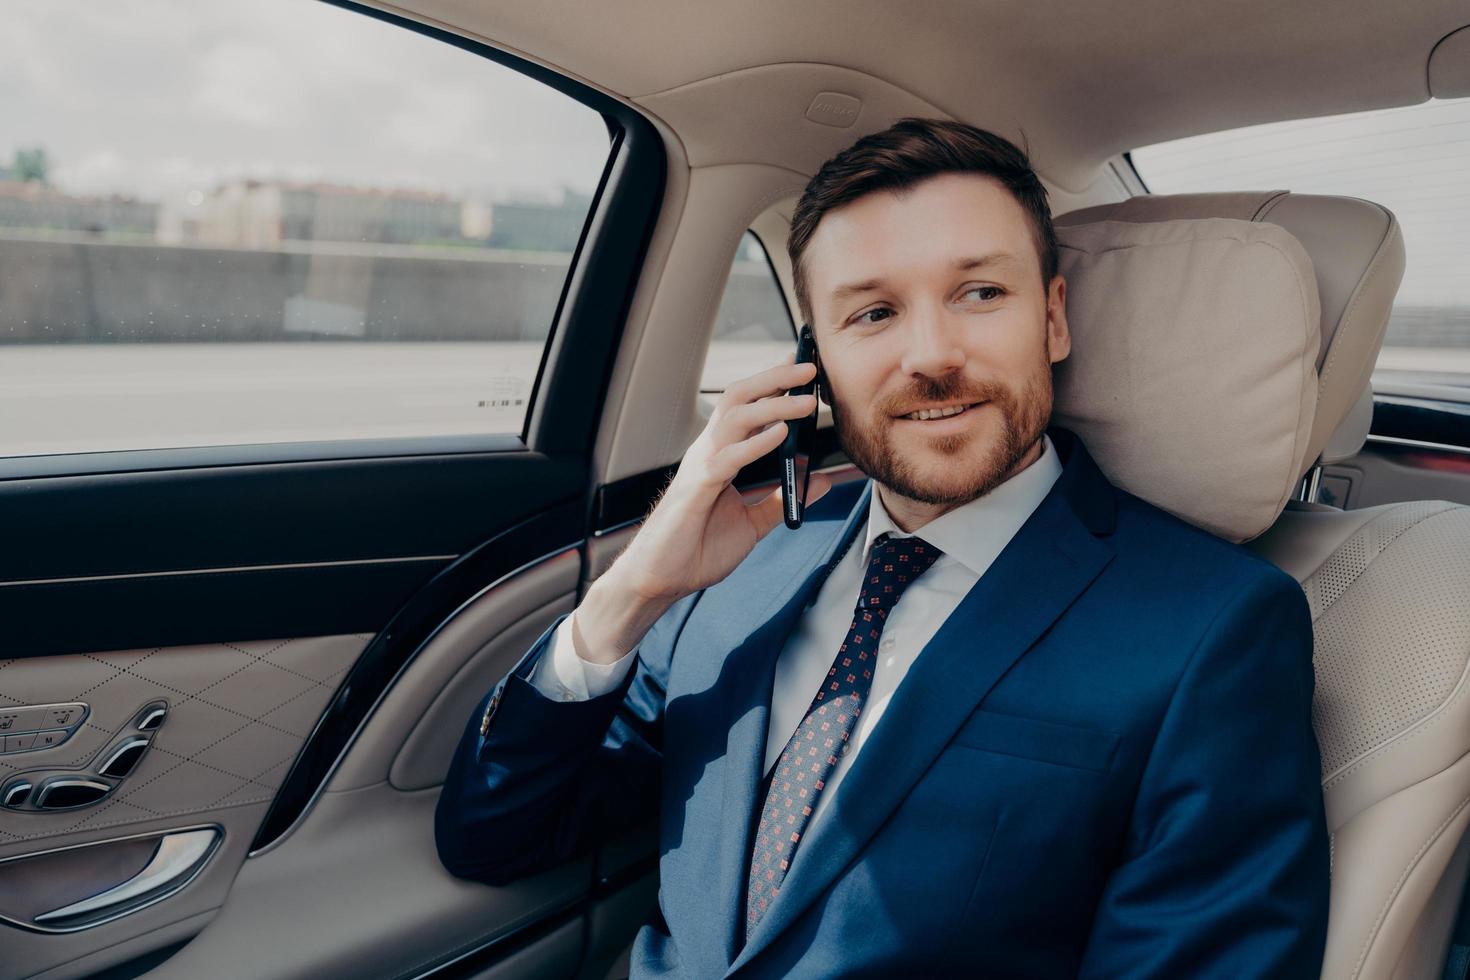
918 231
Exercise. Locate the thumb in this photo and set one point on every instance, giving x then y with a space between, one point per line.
766 513
770 510
817 486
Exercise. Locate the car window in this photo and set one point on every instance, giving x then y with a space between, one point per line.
753 329
279 221
1412 160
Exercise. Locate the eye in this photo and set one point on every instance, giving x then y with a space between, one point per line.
863 316
986 294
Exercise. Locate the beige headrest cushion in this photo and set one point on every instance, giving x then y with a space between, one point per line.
1193 374
1357 251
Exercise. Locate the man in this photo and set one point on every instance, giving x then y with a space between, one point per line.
983 714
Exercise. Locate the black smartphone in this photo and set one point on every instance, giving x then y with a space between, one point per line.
801 434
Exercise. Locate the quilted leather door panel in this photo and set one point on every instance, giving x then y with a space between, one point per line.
238 714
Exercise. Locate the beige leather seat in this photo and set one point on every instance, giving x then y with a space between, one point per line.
1389 592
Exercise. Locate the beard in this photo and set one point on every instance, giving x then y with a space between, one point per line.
967 469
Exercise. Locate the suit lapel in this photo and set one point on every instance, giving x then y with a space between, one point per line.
1051 560
748 702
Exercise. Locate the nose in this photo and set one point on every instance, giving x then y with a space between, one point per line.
931 348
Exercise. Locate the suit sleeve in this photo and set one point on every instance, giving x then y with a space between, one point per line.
535 779
1225 869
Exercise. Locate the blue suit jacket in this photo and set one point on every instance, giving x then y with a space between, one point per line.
1102 765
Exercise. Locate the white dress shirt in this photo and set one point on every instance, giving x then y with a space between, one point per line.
971 537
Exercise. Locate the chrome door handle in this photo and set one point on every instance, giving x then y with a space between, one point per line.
178 858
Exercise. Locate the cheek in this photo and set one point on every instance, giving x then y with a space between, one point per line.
1013 342
858 375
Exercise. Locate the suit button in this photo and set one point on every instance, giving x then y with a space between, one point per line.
489 710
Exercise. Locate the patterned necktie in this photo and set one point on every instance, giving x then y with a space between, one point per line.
812 752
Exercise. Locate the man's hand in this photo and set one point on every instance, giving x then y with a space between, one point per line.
701 528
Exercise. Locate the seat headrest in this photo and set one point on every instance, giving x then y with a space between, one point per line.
1223 343
1357 250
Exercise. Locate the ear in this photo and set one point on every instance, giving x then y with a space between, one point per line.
1058 335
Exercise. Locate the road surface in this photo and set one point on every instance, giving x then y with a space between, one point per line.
71 398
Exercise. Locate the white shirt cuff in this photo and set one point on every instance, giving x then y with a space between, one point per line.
564 676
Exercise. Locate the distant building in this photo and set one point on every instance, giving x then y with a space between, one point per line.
32 207
262 214
340 214
539 227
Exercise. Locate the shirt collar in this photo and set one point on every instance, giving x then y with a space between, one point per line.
975 533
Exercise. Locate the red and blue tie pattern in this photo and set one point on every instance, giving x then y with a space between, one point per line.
812 753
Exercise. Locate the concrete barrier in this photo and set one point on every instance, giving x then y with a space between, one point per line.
71 289
74 290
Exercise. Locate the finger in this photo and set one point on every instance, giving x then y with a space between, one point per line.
766 513
743 420
817 486
776 380
730 460
770 510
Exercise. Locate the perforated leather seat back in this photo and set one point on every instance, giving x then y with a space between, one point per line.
1389 589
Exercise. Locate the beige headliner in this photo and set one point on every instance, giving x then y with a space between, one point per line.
1085 80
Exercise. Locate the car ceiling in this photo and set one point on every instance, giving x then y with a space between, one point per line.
1080 81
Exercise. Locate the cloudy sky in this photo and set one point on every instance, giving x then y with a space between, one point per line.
157 97
1413 160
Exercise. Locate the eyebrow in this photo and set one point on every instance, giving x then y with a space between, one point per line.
960 265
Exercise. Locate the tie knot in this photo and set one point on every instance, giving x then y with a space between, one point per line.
894 565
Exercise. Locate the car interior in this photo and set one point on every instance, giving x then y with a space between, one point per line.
234 669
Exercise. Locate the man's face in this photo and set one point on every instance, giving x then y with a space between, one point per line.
932 298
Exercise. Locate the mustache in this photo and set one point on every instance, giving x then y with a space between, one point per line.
941 390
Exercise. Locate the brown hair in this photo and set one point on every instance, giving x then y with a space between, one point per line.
901 156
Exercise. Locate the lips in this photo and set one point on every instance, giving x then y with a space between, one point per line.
940 412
